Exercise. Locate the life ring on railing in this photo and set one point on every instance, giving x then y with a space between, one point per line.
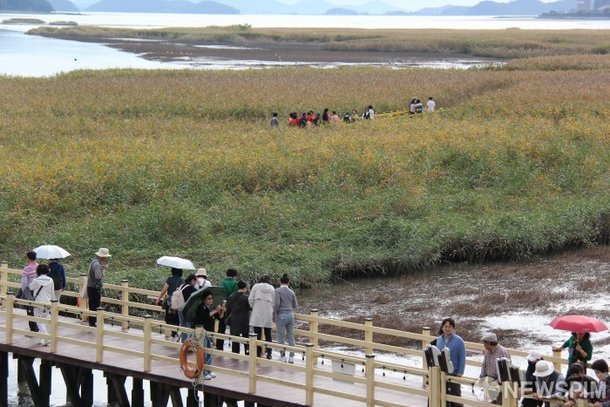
188 370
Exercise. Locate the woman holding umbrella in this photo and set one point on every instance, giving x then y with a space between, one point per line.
580 349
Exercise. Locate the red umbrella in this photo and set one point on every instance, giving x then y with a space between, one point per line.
578 324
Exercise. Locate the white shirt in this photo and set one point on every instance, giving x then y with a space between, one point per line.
43 289
430 105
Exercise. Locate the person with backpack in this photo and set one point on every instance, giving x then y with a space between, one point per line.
42 291
58 275
179 298
95 277
165 298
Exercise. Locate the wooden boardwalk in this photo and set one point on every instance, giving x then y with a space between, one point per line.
133 344
120 357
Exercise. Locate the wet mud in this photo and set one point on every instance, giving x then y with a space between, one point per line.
515 300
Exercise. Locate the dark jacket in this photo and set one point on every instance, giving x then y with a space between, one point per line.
203 318
238 313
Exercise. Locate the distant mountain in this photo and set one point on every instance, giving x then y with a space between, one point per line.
162 6
341 12
307 7
63 5
39 6
517 7
256 6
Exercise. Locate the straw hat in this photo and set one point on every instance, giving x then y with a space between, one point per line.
201 272
103 252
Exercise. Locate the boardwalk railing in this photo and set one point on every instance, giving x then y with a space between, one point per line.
375 383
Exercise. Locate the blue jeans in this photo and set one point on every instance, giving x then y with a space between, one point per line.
207 342
285 330
185 324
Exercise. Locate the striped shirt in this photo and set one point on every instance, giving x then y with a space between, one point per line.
489 368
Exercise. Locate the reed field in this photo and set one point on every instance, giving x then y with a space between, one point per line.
149 163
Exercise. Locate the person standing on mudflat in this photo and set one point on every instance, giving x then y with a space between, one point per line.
95 278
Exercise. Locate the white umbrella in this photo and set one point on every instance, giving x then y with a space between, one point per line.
175 262
50 251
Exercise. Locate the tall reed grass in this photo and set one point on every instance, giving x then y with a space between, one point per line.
184 163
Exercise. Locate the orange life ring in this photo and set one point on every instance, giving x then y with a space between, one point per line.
187 369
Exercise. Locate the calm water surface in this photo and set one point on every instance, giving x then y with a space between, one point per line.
27 55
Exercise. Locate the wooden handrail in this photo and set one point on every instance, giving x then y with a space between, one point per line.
311 351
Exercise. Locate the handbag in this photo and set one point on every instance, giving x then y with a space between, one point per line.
82 291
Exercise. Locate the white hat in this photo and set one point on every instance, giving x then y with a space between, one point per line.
103 252
534 356
489 337
543 369
201 272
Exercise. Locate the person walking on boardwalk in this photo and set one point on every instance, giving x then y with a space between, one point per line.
43 291
493 352
171 284
457 353
230 286
238 315
206 316
284 304
261 300
58 274
27 276
188 288
95 281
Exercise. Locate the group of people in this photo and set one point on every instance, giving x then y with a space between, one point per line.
241 311
312 119
542 381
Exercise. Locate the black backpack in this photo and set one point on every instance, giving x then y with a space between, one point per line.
56 281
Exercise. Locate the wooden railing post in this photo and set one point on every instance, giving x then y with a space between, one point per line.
125 304
82 302
147 342
309 374
424 342
434 387
443 388
99 350
313 326
252 341
53 324
370 380
368 335
557 365
10 308
509 396
3 279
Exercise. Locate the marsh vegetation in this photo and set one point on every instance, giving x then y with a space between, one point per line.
184 163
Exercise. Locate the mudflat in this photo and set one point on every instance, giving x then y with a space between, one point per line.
174 51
